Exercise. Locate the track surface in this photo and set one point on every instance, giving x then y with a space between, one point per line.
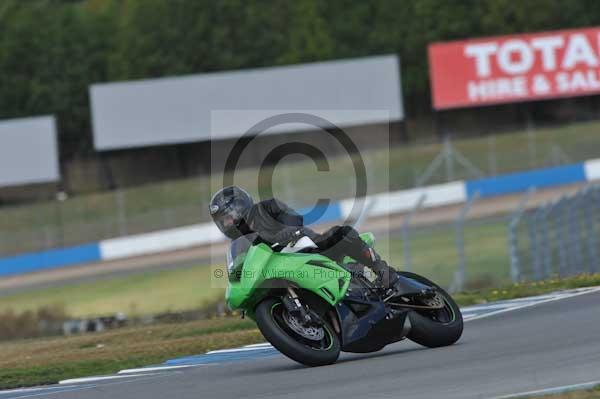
546 345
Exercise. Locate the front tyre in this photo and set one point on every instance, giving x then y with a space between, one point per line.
435 328
313 346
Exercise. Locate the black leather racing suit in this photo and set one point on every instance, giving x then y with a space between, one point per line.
275 222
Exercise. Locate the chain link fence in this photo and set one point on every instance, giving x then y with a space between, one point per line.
459 252
88 218
558 239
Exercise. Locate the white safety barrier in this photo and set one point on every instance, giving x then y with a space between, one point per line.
207 233
405 200
592 169
160 241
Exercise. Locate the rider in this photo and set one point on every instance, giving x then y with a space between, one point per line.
235 214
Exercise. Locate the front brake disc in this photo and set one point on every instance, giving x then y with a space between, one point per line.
311 332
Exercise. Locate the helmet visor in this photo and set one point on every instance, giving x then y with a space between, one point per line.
228 221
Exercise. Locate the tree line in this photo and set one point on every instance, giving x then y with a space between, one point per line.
52 50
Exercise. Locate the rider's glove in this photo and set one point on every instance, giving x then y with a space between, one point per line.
289 235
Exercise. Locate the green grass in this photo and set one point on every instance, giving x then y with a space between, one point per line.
47 360
433 250
521 290
91 217
151 292
581 394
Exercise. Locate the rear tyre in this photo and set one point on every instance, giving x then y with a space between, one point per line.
435 328
276 325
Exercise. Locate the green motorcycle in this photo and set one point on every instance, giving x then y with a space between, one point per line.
311 308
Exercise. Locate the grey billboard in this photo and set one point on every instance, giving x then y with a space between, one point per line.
28 151
178 109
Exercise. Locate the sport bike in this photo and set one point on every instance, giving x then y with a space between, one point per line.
311 308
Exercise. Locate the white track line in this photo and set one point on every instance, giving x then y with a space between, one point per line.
529 298
22 390
50 391
550 391
505 307
243 349
488 307
558 297
54 390
264 344
101 378
35 389
158 368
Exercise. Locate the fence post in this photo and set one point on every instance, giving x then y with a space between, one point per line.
121 212
460 274
449 159
513 242
535 243
48 241
368 206
561 221
59 203
589 211
547 244
531 137
574 239
406 231
492 161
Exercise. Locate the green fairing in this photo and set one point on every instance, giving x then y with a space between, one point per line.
262 266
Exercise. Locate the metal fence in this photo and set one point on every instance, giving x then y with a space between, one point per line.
93 217
454 246
558 239
55 230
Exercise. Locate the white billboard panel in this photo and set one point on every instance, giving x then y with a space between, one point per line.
28 151
178 109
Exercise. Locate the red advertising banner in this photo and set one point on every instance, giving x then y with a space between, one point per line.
515 68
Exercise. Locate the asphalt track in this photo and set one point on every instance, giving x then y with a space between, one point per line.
542 346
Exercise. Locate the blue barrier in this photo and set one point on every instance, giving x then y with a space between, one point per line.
517 182
321 214
487 187
53 258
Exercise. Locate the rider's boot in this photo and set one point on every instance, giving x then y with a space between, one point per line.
392 282
386 275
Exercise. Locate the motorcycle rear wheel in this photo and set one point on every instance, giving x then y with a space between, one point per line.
435 328
273 322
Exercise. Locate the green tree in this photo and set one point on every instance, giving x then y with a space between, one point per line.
52 50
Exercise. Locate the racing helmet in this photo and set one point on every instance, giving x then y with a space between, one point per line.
228 207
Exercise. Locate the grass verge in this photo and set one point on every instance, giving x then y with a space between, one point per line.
584 394
521 290
143 293
48 360
181 289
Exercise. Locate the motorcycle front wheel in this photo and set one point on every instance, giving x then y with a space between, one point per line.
311 346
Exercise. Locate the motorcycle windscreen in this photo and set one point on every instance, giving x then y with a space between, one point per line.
237 253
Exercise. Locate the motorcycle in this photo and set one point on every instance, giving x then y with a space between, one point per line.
311 308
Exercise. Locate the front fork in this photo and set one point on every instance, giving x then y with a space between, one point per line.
305 315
